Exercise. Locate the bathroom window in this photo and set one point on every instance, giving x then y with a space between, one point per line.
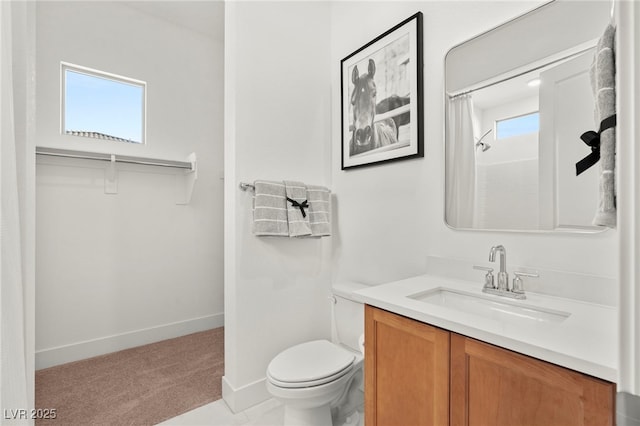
519 125
104 106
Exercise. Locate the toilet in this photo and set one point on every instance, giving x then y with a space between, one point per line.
321 380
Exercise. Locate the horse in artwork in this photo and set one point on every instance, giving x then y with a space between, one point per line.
368 134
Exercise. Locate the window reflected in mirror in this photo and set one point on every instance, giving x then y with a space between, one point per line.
517 126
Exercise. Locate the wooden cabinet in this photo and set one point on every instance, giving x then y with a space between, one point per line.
416 374
495 386
406 371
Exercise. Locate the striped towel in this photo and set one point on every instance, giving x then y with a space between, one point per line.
603 76
297 208
319 210
270 209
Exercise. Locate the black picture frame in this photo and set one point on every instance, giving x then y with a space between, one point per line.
382 98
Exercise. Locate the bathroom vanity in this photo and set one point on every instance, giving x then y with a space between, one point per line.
430 360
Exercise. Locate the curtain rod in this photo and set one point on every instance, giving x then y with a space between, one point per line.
493 83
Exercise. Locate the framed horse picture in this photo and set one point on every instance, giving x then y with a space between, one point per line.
381 86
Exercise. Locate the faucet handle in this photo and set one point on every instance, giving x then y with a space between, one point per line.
518 286
526 274
488 278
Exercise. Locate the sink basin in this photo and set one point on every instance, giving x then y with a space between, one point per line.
489 307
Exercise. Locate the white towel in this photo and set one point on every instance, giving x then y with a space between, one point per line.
319 210
603 76
270 209
297 206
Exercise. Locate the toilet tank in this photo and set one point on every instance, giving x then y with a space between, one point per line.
347 315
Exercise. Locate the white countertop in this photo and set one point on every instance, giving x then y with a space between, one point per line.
586 341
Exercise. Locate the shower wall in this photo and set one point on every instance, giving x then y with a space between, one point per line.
507 195
507 174
121 270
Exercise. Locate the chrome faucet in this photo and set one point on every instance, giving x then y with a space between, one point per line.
503 276
502 288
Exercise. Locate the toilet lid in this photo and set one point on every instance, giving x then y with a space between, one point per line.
310 364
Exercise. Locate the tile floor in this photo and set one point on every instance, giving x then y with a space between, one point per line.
268 413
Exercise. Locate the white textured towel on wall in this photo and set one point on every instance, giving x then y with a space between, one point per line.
603 81
270 209
291 209
297 206
319 210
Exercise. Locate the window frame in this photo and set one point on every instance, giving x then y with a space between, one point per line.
67 66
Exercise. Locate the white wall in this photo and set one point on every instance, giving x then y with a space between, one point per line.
277 127
120 270
391 216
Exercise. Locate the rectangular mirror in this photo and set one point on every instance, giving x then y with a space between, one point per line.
518 98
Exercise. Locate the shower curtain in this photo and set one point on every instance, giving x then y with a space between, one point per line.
14 379
460 209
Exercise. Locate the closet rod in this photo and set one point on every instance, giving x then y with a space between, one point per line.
85 155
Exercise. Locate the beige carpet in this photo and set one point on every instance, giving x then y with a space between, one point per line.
138 386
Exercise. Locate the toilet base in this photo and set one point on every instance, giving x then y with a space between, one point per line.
317 416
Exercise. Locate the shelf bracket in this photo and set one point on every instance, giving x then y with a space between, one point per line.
111 177
185 183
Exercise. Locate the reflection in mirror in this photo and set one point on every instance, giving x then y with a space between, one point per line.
514 122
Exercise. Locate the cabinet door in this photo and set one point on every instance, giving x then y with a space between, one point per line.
494 386
406 371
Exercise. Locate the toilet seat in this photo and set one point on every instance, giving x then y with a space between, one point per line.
310 364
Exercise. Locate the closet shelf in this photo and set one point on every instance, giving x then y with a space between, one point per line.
184 182
87 155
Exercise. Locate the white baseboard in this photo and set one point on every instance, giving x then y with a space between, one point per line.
103 345
246 396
